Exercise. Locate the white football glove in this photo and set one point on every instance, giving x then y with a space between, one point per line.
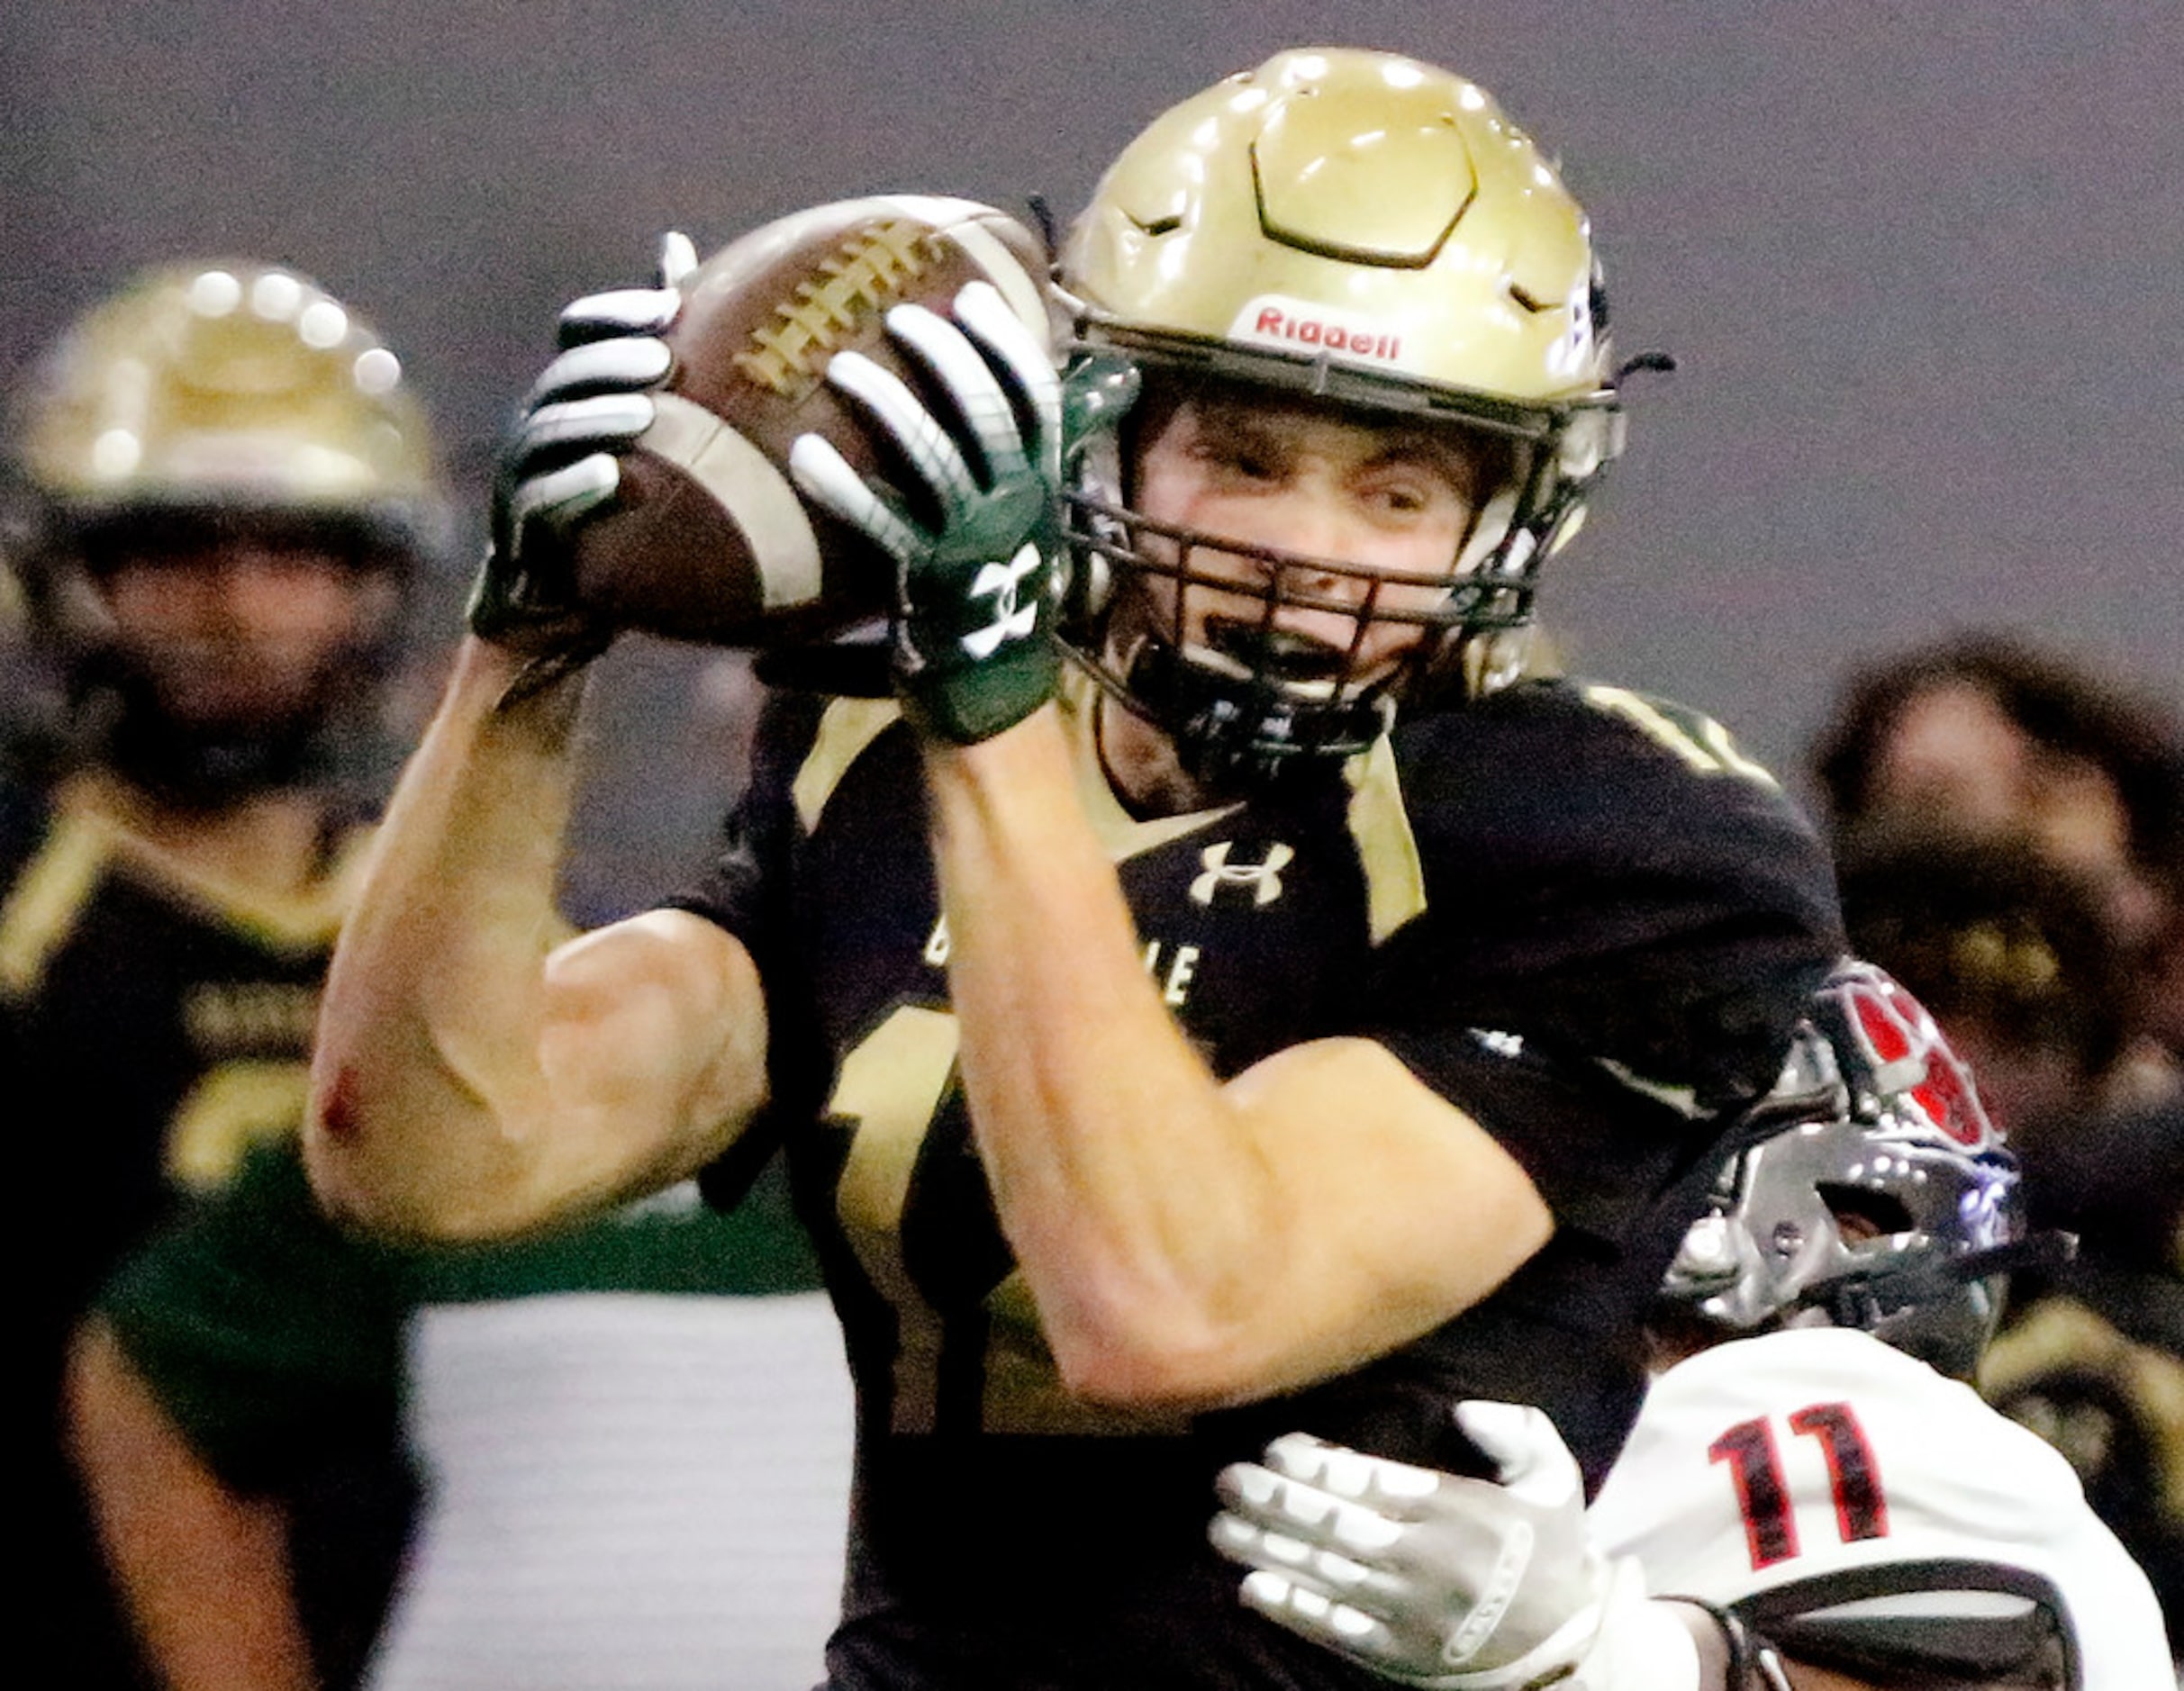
592 399
1435 1581
562 458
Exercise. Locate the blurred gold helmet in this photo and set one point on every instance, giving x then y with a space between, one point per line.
1367 231
200 407
235 385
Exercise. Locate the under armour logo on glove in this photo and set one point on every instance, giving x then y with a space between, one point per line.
1264 878
974 585
1013 619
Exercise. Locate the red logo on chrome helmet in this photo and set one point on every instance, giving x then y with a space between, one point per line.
1912 1060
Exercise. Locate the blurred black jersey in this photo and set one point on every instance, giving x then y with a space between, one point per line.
155 1023
1581 915
158 1020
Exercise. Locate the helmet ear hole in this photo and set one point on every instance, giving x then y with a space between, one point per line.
1090 584
1862 1213
1100 395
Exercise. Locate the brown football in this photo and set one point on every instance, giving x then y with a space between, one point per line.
708 539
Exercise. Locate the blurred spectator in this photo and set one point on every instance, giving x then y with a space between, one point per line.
2012 953
2009 829
227 493
2008 953
1988 734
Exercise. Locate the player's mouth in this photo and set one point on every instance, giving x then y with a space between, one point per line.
1293 659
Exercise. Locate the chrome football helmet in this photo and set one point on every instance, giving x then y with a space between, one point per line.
1359 229
1873 1192
200 405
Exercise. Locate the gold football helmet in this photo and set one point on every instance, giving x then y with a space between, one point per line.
1369 231
200 403
237 386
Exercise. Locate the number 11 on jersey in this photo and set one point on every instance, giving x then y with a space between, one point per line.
1770 1504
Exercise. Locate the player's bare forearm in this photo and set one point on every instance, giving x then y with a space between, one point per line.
203 1569
427 1039
1187 1241
475 1075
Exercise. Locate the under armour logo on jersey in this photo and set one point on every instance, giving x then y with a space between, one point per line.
1013 619
1264 878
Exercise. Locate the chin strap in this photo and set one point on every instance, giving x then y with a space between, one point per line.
1232 733
1751 1664
1854 1299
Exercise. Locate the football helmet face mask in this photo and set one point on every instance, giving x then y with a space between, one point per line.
202 408
1873 1118
1368 233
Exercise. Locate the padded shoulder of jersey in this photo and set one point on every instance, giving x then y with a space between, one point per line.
1609 872
1542 765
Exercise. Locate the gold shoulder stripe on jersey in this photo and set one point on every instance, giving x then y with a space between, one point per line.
49 896
299 923
848 728
1387 850
1704 744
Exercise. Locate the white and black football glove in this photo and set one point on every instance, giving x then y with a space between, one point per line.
562 459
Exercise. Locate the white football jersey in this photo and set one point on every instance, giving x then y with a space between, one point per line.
1804 1458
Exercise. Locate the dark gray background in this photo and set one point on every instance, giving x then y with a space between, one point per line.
1923 264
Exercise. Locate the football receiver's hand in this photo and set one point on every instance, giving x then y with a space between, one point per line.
561 461
1441 1581
974 542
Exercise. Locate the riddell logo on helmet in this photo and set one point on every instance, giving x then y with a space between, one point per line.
1270 320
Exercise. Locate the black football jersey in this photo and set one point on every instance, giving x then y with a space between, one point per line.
154 1024
157 1021
1581 915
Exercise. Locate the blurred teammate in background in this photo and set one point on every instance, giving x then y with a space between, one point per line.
228 489
629 1437
249 1388
1805 1464
1289 1004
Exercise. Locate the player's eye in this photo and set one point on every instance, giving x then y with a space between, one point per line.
1405 494
1239 461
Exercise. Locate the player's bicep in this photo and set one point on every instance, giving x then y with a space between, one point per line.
652 1049
1406 1211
